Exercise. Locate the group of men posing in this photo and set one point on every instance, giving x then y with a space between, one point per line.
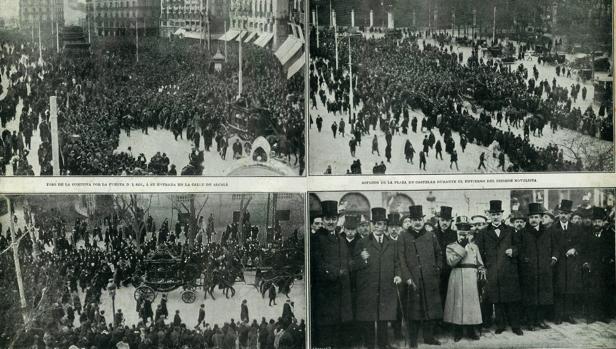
367 275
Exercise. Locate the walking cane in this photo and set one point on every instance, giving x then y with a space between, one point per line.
375 335
404 323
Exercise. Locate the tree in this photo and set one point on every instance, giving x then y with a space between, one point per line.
244 202
134 207
193 213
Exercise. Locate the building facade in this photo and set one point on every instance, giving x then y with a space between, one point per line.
45 12
121 17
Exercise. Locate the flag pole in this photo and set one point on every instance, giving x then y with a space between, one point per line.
137 39
20 282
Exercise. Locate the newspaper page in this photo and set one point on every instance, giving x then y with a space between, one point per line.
191 174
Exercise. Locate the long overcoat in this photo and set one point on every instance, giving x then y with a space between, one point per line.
536 271
503 281
568 269
331 284
462 303
421 261
376 292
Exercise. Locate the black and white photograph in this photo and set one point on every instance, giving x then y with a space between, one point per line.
509 268
167 271
149 87
448 87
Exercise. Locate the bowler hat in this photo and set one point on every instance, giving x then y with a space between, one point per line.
598 213
393 219
463 224
351 221
379 214
515 215
565 205
416 211
549 213
535 208
445 212
496 206
329 208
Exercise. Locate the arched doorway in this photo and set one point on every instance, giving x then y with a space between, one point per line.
314 206
399 202
355 203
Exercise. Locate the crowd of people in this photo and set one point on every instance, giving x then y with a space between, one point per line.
396 80
68 269
171 88
372 271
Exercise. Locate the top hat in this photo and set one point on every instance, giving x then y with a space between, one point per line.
378 214
496 206
351 222
463 224
598 213
393 219
535 208
445 212
565 205
329 208
416 211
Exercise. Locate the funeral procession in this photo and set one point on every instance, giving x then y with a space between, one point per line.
471 269
186 87
474 86
168 271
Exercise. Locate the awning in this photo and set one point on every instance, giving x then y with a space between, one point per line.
297 45
250 36
241 36
296 66
286 45
229 35
264 39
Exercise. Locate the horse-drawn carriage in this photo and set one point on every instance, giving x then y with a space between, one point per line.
164 272
281 267
249 123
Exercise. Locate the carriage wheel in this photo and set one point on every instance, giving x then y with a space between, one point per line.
188 296
145 292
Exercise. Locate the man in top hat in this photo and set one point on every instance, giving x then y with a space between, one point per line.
445 236
394 229
393 226
537 259
462 308
375 261
420 265
569 264
499 246
331 285
598 269
351 223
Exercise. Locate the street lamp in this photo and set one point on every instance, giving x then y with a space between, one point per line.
111 288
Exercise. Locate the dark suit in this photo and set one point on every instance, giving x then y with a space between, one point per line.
503 283
536 252
421 260
599 277
330 287
568 269
445 237
376 292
